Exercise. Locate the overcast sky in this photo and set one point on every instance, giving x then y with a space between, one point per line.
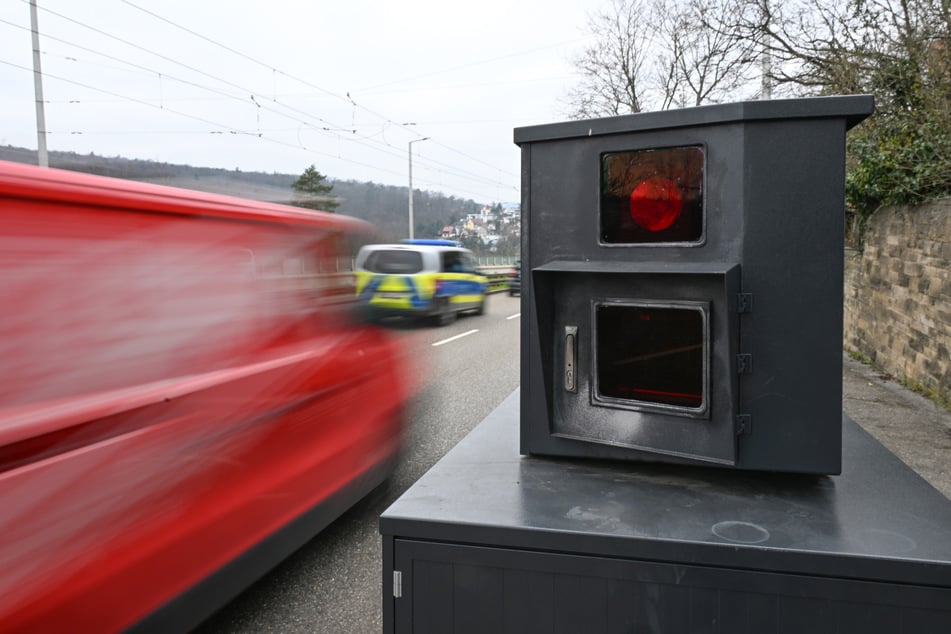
277 85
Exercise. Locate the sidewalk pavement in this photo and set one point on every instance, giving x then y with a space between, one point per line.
909 425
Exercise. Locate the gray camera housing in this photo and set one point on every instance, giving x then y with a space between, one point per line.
757 287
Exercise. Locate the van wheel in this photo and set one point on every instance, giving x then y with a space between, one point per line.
446 315
480 309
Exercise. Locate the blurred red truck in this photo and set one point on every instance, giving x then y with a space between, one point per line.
185 397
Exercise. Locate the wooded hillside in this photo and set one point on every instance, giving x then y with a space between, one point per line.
385 206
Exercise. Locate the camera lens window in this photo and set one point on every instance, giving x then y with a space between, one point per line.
652 196
651 354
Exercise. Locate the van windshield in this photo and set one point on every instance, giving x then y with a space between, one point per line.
394 261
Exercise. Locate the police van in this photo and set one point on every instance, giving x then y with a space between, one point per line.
433 279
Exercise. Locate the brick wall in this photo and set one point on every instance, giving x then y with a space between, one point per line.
898 295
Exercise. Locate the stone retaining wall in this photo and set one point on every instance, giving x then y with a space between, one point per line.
898 295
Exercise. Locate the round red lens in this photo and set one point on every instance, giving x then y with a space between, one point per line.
656 203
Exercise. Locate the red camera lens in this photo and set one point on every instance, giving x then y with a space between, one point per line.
656 203
652 196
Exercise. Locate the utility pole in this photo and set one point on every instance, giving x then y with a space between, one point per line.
411 183
766 63
767 70
42 158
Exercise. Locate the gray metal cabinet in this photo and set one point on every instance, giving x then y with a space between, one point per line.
490 541
461 589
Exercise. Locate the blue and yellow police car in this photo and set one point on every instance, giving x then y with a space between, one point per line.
432 279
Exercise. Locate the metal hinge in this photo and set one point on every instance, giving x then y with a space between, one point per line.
744 303
397 584
744 425
744 363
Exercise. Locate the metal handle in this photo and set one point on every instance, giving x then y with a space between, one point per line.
571 356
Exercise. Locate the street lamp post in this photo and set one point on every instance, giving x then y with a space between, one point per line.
411 183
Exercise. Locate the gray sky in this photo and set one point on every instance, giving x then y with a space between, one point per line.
281 84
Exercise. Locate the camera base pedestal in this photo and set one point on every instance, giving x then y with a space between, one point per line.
491 541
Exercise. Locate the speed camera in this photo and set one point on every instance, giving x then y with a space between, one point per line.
682 291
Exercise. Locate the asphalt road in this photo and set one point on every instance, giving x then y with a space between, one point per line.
334 582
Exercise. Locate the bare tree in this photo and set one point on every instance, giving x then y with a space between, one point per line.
898 50
812 44
613 67
705 58
657 54
830 46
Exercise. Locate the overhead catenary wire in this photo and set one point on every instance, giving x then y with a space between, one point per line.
304 118
122 97
327 127
347 97
225 127
162 56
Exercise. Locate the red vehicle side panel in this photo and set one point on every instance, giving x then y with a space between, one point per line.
180 380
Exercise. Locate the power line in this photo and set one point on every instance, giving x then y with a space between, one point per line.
161 56
226 128
319 88
229 49
327 127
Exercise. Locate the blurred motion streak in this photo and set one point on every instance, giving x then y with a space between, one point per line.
186 396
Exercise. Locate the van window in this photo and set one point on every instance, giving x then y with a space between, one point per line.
472 263
453 262
395 262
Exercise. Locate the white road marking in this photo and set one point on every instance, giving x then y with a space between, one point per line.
515 316
460 336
